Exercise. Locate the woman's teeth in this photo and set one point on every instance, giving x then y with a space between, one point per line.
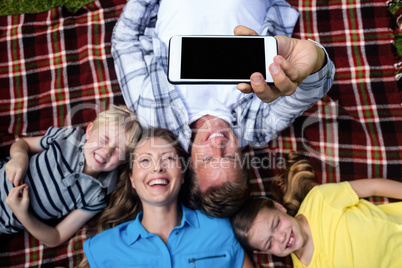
158 182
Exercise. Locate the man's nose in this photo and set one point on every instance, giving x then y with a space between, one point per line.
218 142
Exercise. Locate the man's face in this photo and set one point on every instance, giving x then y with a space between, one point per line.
216 156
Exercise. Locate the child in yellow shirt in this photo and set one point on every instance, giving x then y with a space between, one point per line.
333 226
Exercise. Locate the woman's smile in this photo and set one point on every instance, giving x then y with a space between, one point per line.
158 182
157 172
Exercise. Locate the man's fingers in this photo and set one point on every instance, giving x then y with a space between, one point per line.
243 30
244 88
282 82
289 70
262 90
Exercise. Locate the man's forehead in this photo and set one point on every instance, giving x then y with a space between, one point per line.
212 176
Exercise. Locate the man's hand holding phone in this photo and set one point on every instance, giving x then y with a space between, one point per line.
296 60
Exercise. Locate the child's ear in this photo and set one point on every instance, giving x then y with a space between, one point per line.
88 131
280 207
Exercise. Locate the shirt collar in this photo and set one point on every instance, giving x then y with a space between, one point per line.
109 179
135 230
189 217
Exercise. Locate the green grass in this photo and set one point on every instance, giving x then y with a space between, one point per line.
398 43
14 7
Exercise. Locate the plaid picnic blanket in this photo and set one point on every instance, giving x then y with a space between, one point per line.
356 130
56 69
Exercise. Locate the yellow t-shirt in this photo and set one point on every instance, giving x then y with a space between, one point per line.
348 232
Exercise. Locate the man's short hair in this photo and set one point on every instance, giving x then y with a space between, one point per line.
220 201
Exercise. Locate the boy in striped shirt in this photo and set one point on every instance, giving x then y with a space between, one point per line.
68 175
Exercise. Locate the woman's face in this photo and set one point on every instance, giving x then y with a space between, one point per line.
157 172
275 232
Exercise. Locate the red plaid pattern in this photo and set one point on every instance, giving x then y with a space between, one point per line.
57 64
23 250
356 130
56 69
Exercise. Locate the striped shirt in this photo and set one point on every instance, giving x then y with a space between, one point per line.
55 180
141 61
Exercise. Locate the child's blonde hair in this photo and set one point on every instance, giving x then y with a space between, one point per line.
119 115
291 186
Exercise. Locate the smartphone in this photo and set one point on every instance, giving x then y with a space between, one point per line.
219 59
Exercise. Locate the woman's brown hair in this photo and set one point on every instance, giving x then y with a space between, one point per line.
124 203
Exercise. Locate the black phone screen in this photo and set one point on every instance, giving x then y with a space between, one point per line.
221 58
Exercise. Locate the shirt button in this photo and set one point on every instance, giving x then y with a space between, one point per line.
77 176
176 233
81 163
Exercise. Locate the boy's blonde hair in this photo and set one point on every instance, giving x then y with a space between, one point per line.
120 115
